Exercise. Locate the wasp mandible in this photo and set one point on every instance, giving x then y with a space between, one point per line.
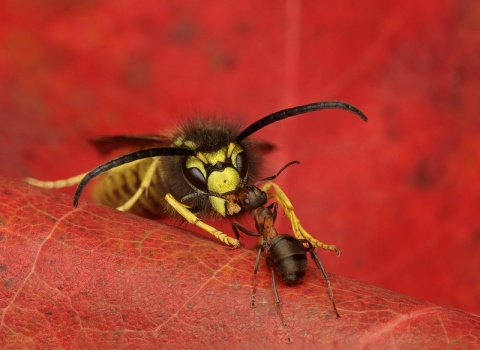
200 157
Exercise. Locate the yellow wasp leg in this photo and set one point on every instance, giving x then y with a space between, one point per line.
191 218
297 227
147 180
55 184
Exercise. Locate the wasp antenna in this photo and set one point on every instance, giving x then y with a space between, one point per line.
128 158
279 172
290 112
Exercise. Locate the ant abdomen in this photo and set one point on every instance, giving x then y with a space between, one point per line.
288 256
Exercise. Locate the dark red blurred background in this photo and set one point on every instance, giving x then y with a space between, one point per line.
399 195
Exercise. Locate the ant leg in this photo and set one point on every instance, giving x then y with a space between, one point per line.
236 226
255 269
279 307
297 228
315 258
274 208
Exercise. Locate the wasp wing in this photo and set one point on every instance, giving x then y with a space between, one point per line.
106 144
261 147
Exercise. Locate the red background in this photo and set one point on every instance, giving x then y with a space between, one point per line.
399 195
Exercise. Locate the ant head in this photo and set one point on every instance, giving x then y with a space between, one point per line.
251 197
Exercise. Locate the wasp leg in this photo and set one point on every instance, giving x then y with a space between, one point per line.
297 227
191 218
147 180
55 184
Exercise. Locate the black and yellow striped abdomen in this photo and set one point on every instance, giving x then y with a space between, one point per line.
117 186
120 184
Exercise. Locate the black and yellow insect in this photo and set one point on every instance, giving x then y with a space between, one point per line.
200 157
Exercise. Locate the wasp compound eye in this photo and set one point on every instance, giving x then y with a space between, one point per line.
195 177
242 164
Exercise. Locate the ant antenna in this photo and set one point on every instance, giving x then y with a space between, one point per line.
273 177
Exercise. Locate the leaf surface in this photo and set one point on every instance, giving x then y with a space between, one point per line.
93 277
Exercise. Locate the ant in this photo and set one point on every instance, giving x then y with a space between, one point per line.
286 255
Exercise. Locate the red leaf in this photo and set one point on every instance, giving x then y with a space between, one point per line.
93 277
400 195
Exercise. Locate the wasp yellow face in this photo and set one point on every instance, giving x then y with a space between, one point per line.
220 172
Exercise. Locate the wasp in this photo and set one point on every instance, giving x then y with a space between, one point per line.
286 255
200 157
